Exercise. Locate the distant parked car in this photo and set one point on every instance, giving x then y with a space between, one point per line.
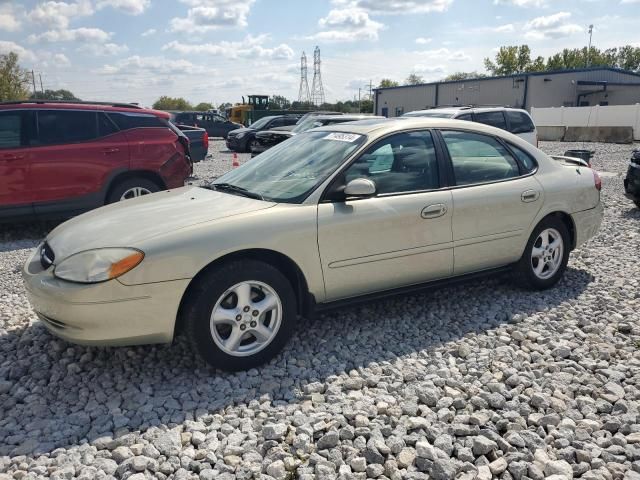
331 216
198 142
632 182
268 138
242 139
317 113
215 125
514 120
59 159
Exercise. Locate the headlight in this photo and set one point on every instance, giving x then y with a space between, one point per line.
93 266
240 135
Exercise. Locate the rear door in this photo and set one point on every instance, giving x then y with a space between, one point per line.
495 200
494 118
73 155
15 196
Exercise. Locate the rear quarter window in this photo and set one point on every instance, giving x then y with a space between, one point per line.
520 122
127 121
494 119
527 161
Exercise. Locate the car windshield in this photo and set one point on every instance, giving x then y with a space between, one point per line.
429 114
308 124
258 124
292 169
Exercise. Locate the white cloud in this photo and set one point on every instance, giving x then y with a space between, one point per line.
522 3
146 33
551 26
206 15
507 28
94 35
130 7
9 17
250 47
459 56
136 65
428 69
397 7
629 1
423 41
347 25
444 54
60 59
103 50
23 53
58 14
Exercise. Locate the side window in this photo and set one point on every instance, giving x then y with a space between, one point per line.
495 119
126 121
290 121
105 125
478 158
10 129
520 122
465 116
276 122
526 160
404 162
66 126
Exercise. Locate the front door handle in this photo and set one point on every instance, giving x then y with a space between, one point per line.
108 151
434 211
12 156
530 196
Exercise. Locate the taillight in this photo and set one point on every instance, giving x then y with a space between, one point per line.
205 140
597 180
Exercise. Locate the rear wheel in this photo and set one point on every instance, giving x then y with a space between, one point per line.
132 188
545 257
637 202
240 315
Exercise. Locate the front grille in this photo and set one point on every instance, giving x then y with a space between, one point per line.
47 257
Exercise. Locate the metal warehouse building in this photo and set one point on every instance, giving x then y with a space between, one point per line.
569 88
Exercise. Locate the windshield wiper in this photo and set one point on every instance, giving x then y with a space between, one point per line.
235 189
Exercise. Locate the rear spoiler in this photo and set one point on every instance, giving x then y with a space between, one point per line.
572 160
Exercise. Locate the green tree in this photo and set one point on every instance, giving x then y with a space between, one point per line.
628 58
54 95
223 107
203 107
464 76
14 80
510 60
413 79
387 82
278 102
170 103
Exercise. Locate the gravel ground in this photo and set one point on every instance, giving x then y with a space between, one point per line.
473 381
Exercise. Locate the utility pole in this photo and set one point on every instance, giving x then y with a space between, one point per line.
41 87
33 78
589 49
359 107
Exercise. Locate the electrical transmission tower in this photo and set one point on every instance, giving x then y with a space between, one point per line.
317 90
303 95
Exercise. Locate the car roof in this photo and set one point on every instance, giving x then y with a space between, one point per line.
345 116
382 126
106 107
454 110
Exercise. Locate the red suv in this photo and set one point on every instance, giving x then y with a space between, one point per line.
61 159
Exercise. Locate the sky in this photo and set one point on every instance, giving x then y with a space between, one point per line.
219 50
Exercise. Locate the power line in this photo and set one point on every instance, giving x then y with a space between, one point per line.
317 91
303 94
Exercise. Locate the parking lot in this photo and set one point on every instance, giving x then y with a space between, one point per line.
480 379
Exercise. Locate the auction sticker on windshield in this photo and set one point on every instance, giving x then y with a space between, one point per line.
343 137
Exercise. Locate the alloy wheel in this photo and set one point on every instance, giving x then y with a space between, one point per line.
246 318
134 192
547 253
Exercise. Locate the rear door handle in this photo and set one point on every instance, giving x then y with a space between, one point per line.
434 211
12 156
530 196
108 151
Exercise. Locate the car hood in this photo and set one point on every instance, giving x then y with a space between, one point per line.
126 223
238 131
274 133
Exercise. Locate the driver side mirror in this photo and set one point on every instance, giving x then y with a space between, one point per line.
360 188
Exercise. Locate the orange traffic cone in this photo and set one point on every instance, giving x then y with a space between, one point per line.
235 162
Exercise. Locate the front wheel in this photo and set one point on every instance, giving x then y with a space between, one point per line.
545 257
241 314
132 188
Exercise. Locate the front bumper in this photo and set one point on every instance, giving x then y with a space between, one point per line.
587 223
632 182
234 143
105 314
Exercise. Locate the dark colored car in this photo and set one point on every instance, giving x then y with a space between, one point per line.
59 159
268 138
215 125
632 182
198 142
242 139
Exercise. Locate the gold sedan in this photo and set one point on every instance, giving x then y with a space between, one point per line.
337 214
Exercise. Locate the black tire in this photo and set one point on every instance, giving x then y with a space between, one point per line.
637 202
202 299
524 274
246 147
120 188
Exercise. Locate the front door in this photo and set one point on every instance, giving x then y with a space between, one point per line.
15 197
494 200
399 237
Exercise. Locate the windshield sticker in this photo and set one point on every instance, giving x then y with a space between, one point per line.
343 137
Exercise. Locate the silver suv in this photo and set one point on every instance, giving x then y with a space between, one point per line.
514 120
